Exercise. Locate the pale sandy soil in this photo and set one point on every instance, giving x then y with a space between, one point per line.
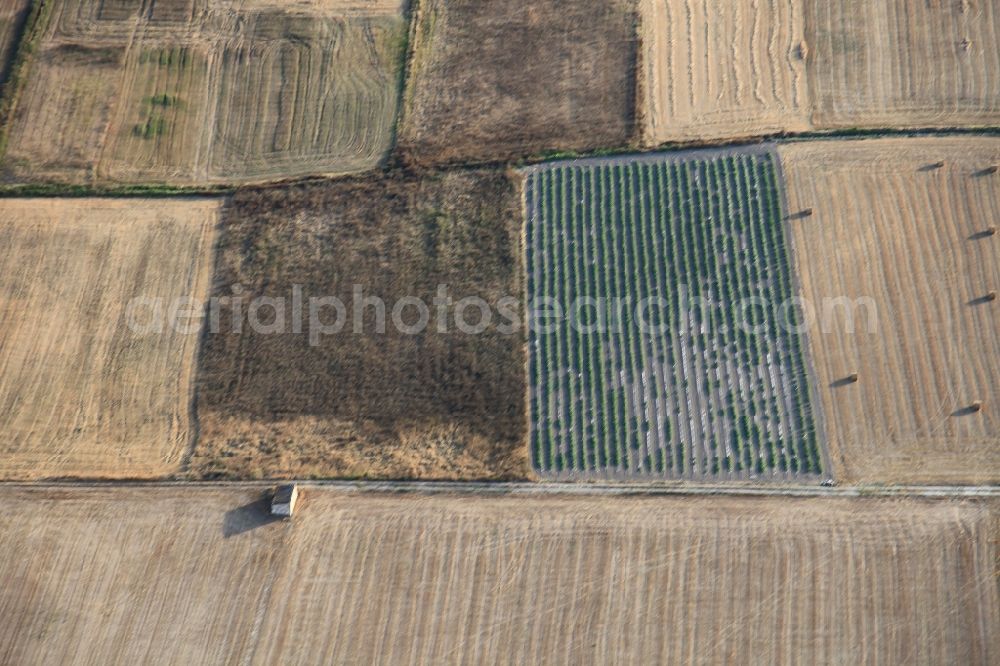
889 227
203 576
82 394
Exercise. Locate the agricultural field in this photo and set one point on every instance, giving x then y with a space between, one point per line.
894 63
686 380
900 229
496 80
99 575
12 16
189 92
712 70
368 400
82 393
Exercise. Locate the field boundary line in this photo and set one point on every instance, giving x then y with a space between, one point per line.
554 488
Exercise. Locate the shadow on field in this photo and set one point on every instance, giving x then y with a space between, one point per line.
967 411
843 381
248 517
982 300
985 233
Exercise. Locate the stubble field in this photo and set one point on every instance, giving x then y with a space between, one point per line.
365 402
97 575
891 225
80 393
491 81
195 92
712 69
715 70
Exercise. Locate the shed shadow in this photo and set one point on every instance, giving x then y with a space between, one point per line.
248 517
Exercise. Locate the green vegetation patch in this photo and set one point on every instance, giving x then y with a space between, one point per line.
665 342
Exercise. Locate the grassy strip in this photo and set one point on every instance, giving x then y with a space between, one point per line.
32 29
61 190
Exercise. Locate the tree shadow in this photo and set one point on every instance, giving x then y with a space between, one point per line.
843 381
982 173
931 167
248 517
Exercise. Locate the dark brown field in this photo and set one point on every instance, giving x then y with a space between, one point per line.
390 405
494 80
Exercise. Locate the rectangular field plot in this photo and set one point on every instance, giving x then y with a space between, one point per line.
202 575
82 394
696 369
196 92
900 244
305 95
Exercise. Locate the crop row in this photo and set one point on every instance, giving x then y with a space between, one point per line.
679 354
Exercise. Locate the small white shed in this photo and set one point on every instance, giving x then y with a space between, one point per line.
283 502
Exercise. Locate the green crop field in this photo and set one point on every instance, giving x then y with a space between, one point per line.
680 354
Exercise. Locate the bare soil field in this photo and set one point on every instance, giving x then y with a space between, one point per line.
358 402
193 92
892 225
82 394
494 80
714 70
205 576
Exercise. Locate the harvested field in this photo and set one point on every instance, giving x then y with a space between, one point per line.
400 403
892 226
187 92
683 381
897 63
99 575
81 394
716 69
496 80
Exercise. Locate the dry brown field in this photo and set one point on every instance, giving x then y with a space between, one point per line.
889 225
193 92
359 402
200 575
716 69
81 393
496 80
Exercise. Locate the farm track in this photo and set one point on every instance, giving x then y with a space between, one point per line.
200 575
